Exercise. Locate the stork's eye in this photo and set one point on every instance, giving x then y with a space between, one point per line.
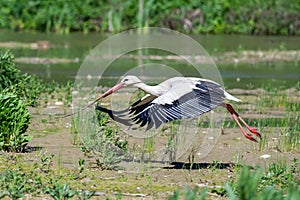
126 79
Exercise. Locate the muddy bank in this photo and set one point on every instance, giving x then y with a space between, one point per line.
225 58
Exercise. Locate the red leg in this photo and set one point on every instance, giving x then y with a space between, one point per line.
243 130
236 118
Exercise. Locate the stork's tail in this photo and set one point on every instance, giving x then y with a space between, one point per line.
230 97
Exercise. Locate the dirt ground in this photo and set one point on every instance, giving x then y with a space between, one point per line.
157 179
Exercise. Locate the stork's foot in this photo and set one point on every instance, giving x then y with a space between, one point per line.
250 137
254 131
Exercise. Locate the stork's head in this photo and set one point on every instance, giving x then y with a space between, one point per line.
127 80
130 80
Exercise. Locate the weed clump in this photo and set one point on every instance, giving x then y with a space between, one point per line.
15 184
100 138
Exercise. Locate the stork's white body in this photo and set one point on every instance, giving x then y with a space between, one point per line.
174 88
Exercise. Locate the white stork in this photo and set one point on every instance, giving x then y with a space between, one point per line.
175 98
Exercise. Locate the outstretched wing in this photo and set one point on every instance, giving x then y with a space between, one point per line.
203 97
182 100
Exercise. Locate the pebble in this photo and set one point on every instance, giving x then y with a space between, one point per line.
265 156
59 103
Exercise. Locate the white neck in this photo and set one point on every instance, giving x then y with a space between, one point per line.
153 90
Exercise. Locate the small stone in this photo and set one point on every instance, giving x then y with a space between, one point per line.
59 103
89 77
265 156
75 92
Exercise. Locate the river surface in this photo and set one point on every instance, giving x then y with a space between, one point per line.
76 46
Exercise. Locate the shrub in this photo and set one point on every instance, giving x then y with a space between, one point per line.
25 86
15 119
9 73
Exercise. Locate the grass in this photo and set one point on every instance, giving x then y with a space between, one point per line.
277 182
64 183
287 124
22 178
99 139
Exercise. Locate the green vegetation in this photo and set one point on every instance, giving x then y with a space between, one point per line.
189 194
58 191
275 99
15 88
17 91
274 17
10 74
27 87
15 120
252 185
30 88
99 138
17 182
278 182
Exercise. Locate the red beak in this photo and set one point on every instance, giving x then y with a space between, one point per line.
112 90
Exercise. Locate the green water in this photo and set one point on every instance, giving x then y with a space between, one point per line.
78 45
